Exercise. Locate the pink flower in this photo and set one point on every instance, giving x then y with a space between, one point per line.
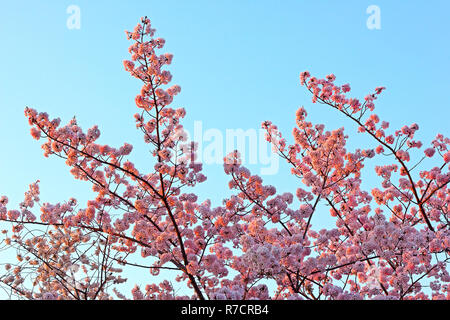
35 133
129 65
429 152
331 77
390 139
447 157
346 88
379 149
303 76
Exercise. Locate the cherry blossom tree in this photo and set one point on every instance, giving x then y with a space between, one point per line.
389 242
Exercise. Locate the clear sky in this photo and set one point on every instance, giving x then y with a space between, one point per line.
237 63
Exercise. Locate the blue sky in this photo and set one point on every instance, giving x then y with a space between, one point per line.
237 63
